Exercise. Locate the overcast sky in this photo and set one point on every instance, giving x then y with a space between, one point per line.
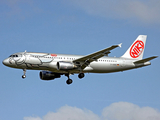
79 27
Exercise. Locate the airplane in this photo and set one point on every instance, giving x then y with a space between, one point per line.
54 65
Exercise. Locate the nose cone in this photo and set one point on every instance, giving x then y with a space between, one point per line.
6 62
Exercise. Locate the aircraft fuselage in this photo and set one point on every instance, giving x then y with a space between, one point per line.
55 65
46 61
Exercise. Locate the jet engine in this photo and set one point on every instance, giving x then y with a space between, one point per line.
65 65
47 75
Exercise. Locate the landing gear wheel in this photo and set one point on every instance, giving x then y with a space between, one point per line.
23 76
81 75
69 81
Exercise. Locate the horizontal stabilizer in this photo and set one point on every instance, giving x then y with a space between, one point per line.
145 60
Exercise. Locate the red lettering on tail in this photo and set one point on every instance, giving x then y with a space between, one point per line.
137 49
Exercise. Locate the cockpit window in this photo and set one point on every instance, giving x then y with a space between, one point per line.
20 55
15 56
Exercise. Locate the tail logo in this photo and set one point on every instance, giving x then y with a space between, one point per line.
137 49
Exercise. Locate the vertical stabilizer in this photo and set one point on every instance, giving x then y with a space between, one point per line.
136 50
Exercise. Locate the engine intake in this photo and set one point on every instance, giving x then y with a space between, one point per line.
47 75
65 65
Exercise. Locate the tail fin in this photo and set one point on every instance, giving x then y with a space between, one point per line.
136 50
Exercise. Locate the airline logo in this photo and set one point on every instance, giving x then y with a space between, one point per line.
137 49
53 55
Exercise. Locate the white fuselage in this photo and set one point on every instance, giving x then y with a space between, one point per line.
55 65
46 61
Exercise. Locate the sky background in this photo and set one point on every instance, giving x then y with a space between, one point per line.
79 27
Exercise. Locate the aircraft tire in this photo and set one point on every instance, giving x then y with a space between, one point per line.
23 76
69 81
81 75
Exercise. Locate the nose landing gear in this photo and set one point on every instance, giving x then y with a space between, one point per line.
24 75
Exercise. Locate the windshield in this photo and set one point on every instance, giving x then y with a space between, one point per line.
15 55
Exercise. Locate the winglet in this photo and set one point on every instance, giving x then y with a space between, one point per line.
120 45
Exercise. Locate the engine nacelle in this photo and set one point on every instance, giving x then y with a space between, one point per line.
47 75
65 65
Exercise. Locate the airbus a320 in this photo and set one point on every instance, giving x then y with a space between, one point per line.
55 65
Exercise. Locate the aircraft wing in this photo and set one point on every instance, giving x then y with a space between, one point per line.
86 60
145 60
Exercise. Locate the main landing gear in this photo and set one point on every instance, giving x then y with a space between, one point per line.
24 75
69 81
81 75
